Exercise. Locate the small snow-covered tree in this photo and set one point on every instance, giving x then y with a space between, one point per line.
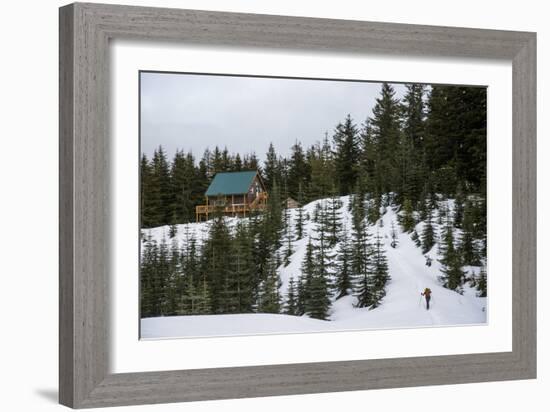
459 206
172 230
305 279
291 305
333 218
204 305
344 278
300 215
452 275
482 283
288 237
428 234
407 217
379 271
468 247
373 210
393 232
270 297
416 239
365 291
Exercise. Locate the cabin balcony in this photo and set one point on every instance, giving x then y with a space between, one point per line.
230 206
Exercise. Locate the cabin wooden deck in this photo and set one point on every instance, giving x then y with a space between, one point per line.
229 208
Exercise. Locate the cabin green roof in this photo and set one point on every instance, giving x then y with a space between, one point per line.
231 183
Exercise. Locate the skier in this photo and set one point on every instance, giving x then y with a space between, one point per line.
428 295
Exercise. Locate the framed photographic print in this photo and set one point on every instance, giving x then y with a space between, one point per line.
257 205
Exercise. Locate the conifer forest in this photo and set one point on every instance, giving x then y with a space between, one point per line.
355 226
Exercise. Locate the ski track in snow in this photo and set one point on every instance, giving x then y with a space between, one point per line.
402 307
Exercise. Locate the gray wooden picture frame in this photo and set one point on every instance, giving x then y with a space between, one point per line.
85 31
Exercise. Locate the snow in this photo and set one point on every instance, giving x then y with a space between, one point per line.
402 307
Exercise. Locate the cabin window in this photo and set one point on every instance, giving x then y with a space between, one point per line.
220 201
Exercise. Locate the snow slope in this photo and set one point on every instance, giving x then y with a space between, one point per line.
403 306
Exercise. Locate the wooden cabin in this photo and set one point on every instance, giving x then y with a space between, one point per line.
290 203
234 194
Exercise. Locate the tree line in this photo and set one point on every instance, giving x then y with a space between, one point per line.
433 140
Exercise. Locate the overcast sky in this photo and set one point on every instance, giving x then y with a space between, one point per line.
193 112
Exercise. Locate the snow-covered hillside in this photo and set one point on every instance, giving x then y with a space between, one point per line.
402 307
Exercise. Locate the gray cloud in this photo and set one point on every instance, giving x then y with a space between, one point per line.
193 112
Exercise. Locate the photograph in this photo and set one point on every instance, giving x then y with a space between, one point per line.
276 205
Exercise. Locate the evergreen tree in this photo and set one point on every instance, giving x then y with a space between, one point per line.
382 135
360 258
321 163
366 291
373 213
380 272
414 113
459 207
324 258
346 155
243 268
173 279
182 180
220 161
189 298
188 289
334 219
172 230
160 197
288 237
270 298
163 268
318 303
406 165
149 195
416 239
300 217
317 212
298 172
251 162
407 217
451 265
291 306
150 288
274 216
394 240
271 172
204 304
468 247
283 168
216 264
306 278
412 154
445 214
237 163
428 234
422 205
344 278
482 283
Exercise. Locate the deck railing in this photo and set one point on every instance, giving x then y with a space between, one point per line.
235 209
